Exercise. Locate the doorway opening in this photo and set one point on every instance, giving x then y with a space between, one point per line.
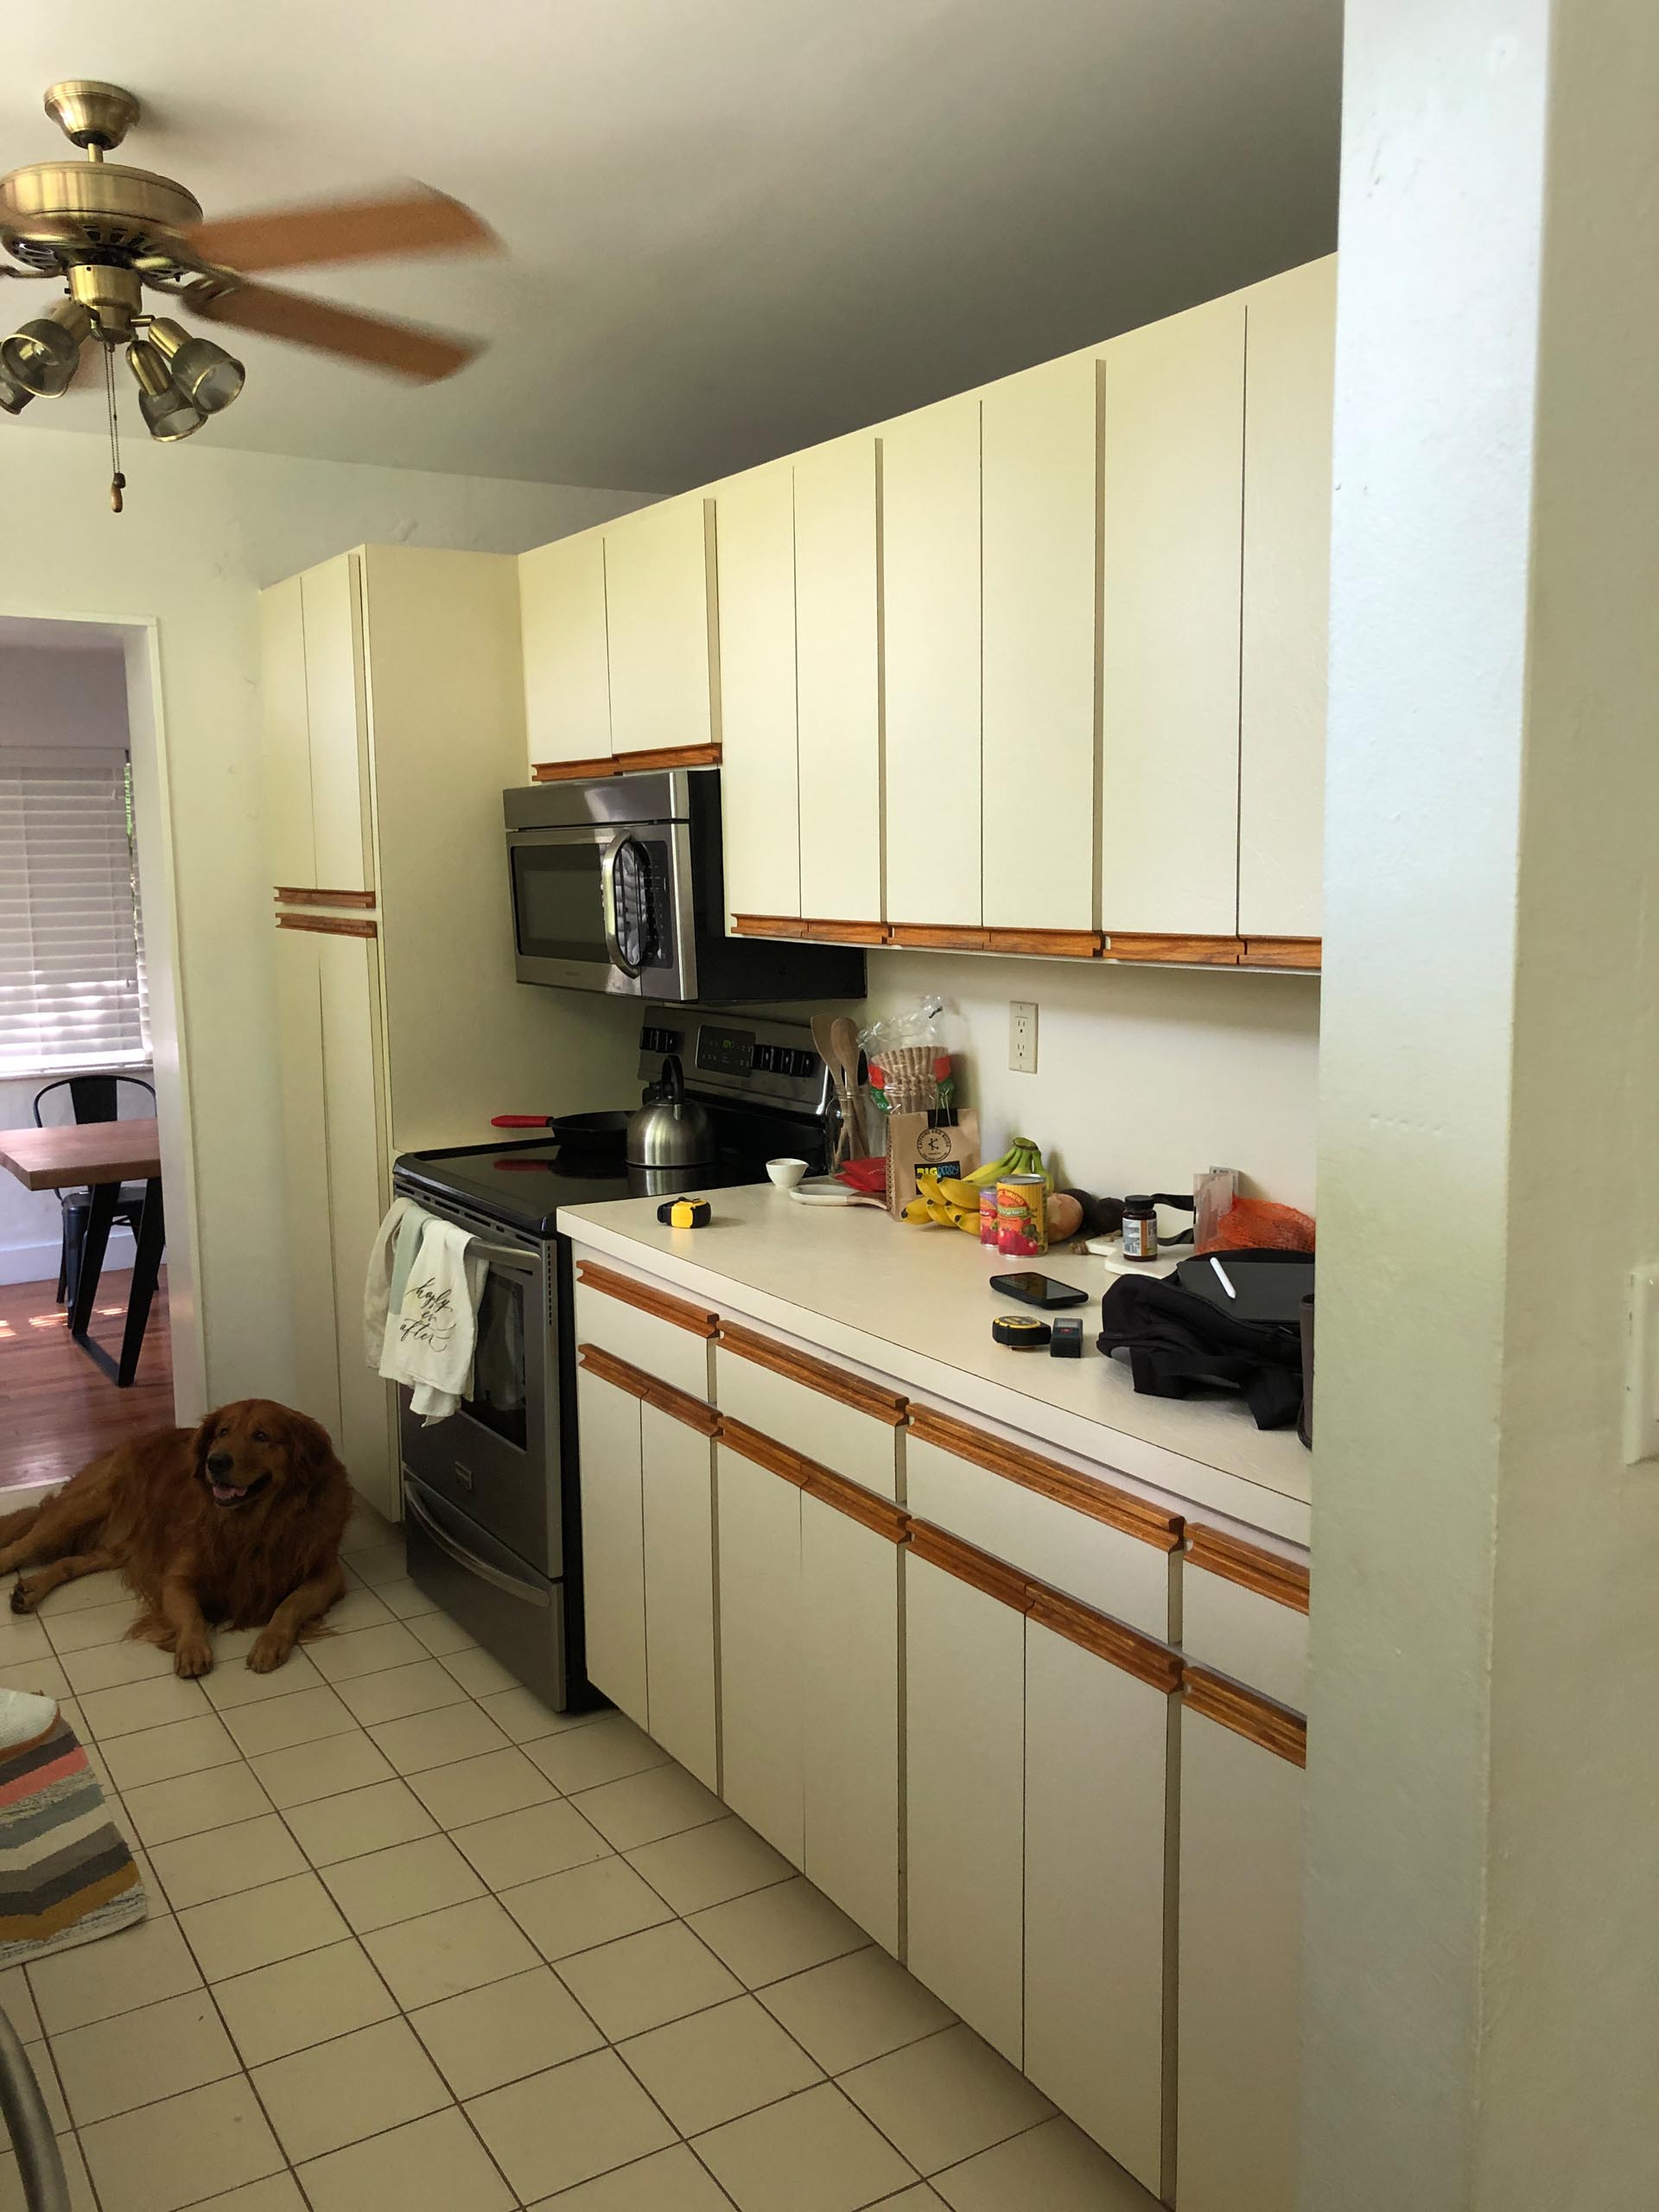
87 1334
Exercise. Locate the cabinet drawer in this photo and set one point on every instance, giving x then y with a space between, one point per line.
1244 1613
1098 1544
652 1328
835 1418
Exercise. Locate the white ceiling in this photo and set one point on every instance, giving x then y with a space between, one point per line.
735 226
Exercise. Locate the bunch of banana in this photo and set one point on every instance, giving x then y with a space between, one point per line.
945 1202
1021 1158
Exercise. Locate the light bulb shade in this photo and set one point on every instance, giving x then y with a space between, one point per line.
205 373
168 414
12 396
42 355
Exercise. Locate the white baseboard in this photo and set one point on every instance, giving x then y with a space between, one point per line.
39 1262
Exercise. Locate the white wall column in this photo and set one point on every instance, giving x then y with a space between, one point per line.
1482 1929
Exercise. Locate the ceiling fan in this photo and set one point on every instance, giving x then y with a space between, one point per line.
105 232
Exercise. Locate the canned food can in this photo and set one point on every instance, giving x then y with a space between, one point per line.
988 1215
1022 1216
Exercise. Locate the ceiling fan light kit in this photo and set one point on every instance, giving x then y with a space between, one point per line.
105 232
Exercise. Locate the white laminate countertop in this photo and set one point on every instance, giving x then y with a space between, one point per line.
914 1303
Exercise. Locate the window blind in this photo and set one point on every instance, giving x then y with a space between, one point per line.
70 992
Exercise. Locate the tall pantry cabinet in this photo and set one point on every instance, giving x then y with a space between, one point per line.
393 719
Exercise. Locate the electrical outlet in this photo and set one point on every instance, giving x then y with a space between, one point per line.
1022 1036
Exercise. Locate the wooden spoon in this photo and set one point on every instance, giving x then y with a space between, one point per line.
824 1038
844 1035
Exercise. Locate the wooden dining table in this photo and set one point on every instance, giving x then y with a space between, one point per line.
100 1156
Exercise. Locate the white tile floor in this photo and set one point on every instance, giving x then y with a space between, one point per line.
418 1944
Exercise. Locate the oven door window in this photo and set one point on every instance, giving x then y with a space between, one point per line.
557 907
498 1381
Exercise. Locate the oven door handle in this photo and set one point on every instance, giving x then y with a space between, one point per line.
526 1592
607 894
510 1258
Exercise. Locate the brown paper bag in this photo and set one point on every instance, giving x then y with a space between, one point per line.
916 1140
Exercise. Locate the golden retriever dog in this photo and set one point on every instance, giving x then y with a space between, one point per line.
237 1523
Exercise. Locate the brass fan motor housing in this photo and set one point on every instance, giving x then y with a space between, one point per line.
91 207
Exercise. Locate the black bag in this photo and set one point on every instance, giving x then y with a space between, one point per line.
1176 1343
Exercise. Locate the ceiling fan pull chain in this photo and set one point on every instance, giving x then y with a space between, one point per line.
117 482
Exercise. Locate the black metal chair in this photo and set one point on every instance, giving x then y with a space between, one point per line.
92 1098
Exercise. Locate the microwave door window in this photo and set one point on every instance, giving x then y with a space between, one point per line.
557 906
499 1386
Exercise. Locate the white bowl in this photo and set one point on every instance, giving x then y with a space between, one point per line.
786 1173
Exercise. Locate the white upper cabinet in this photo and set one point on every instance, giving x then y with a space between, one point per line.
931 593
1173 519
567 672
1039 514
838 684
660 619
1289 387
759 782
287 737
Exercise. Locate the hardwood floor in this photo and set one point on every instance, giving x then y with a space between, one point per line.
59 1410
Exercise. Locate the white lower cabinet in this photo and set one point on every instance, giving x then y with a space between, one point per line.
965 1749
1096 1780
1239 2044
849 1609
613 1540
676 1498
763 1763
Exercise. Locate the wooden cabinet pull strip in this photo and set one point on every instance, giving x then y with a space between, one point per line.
1282 952
290 895
749 1444
813 1373
1047 944
697 1320
327 924
681 1406
876 1514
1183 951
976 1568
1284 1580
1133 1517
609 1369
625 764
802 930
1110 1640
1256 1719
936 937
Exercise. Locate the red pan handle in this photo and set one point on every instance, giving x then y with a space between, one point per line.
521 1121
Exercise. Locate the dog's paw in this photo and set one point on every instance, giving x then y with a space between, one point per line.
193 1655
271 1650
22 1597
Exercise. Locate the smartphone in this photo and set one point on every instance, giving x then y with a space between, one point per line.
1032 1289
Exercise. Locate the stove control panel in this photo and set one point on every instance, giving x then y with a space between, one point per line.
765 1062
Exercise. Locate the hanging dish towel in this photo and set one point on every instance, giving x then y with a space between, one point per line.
395 1243
432 1334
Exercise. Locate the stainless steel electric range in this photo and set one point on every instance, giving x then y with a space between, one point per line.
491 1497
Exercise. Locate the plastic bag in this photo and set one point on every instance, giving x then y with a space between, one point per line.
910 1068
1261 1225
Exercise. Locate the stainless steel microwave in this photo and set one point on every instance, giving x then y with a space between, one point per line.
617 886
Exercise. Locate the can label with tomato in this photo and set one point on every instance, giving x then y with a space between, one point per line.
988 1215
1022 1216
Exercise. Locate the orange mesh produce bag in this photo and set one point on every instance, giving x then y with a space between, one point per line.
1260 1225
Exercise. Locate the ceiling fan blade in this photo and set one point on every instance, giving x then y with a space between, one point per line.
413 220
403 349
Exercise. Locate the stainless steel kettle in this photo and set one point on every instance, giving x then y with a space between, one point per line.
670 1130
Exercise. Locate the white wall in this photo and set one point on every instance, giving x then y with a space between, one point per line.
1144 1075
52 696
204 529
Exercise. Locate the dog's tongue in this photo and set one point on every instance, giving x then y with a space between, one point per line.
227 1493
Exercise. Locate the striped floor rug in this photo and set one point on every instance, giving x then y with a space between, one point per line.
66 1873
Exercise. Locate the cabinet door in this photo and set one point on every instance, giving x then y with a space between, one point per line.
761 1752
759 784
612 1541
1096 1761
1239 1974
567 674
287 737
677 1513
965 1800
305 1154
1040 500
931 572
1173 504
337 710
358 1196
838 680
849 1685
1290 380
660 609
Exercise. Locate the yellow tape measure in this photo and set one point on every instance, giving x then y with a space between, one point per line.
685 1213
1020 1332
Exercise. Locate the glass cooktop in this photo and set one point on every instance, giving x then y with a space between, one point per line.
526 1185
